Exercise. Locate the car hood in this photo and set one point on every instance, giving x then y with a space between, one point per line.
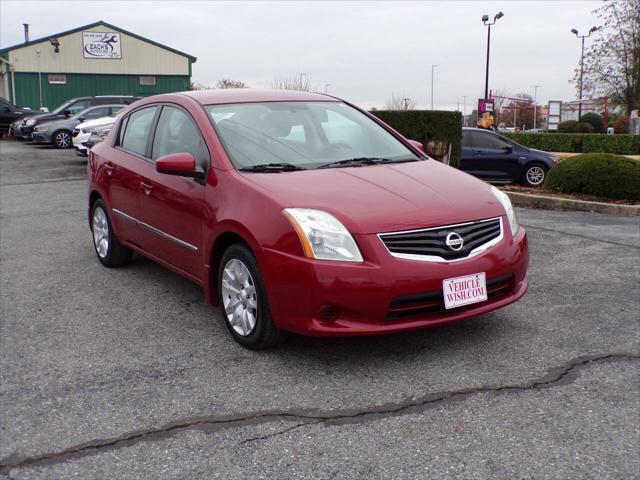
384 198
96 122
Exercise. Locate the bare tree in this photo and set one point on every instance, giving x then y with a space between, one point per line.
400 102
198 86
228 83
499 102
612 61
297 82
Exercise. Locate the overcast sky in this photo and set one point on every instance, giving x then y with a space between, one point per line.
365 50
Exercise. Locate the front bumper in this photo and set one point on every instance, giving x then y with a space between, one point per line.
41 137
385 294
79 143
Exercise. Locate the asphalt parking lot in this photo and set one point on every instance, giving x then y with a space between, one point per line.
128 374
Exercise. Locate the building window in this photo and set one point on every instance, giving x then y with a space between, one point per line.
58 78
147 80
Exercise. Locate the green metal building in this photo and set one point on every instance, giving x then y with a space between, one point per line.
95 59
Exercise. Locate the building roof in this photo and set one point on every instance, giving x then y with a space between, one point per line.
248 95
96 24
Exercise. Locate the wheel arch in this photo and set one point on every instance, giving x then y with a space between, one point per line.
224 240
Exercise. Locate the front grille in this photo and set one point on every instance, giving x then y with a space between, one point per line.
76 131
432 241
432 303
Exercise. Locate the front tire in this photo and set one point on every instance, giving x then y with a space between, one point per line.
110 251
534 175
62 139
243 299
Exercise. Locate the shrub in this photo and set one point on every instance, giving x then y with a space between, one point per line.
568 126
622 144
594 120
425 125
621 125
584 128
580 142
549 142
602 174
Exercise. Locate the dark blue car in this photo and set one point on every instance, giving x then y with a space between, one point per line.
497 159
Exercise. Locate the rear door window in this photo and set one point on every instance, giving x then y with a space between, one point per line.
137 129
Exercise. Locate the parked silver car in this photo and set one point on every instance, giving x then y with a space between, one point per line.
59 131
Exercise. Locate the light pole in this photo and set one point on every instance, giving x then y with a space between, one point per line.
487 23
535 104
464 110
39 77
432 67
582 37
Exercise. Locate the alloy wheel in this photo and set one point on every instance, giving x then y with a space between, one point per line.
100 227
535 175
239 297
63 140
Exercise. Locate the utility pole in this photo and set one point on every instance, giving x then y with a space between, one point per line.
485 21
535 104
582 37
432 67
39 77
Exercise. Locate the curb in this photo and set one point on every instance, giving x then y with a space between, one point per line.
553 203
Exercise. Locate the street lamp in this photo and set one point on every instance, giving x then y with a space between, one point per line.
487 23
582 37
432 67
535 104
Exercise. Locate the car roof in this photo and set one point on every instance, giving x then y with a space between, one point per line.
250 95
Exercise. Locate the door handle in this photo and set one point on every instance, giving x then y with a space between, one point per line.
109 168
146 188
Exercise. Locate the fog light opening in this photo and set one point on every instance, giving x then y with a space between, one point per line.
327 313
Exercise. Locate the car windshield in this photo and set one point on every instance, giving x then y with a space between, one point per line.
302 135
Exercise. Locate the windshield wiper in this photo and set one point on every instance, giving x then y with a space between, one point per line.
365 161
272 167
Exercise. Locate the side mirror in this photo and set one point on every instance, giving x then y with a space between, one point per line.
181 164
67 113
417 145
81 119
508 149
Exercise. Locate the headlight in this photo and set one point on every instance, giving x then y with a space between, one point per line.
322 235
30 122
503 198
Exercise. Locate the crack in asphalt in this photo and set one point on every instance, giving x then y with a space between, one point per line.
280 432
586 237
555 377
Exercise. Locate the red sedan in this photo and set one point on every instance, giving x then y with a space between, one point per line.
299 212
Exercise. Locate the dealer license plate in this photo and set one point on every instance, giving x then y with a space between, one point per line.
465 290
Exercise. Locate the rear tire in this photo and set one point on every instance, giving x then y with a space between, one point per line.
110 251
244 302
62 139
534 175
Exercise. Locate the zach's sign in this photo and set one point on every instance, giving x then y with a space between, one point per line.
101 45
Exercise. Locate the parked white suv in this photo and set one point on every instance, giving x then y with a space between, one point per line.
82 132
